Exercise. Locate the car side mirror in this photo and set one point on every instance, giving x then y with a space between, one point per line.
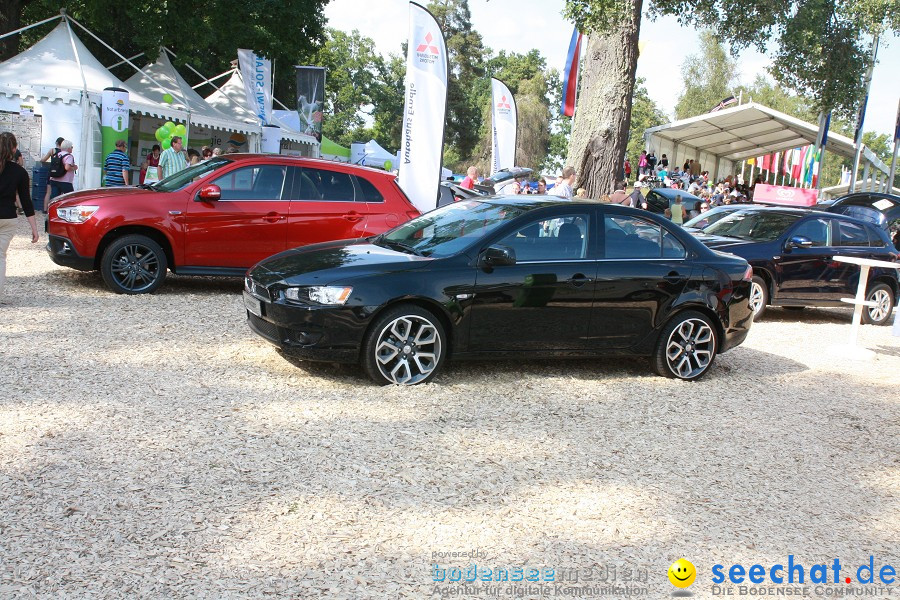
209 193
799 241
498 256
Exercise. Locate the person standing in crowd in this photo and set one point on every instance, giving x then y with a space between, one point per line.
205 152
217 151
642 163
542 186
172 160
651 161
676 211
117 166
664 161
150 168
13 181
563 189
618 196
636 197
63 184
581 194
471 177
627 169
50 154
193 157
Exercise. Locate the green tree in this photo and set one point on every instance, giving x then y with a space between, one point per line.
709 77
205 35
465 50
387 97
351 83
644 114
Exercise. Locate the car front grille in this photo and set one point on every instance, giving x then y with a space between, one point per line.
264 328
257 289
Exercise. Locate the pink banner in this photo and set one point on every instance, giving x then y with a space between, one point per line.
784 195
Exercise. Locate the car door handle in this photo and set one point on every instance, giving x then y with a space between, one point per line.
273 217
578 279
353 216
674 277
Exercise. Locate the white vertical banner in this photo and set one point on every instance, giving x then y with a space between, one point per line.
256 72
503 124
422 141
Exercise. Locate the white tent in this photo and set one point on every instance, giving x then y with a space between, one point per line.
63 82
376 156
161 78
231 98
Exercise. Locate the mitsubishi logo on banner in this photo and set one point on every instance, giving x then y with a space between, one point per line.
428 45
504 103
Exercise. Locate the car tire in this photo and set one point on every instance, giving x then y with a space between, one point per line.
687 347
406 345
133 264
759 296
880 314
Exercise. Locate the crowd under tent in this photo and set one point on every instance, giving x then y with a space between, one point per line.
208 126
54 89
722 140
231 98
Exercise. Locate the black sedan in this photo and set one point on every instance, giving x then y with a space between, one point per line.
659 199
505 277
791 252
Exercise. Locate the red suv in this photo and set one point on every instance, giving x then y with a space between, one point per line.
219 217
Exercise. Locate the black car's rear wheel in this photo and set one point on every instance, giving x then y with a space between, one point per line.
759 296
405 346
133 264
883 297
687 347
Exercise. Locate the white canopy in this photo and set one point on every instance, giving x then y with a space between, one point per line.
60 67
231 98
164 79
738 133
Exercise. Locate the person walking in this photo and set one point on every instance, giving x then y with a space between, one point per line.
676 211
117 166
13 181
62 183
627 169
172 160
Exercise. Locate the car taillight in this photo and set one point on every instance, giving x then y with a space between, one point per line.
748 274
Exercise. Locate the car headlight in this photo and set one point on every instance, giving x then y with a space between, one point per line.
319 294
76 214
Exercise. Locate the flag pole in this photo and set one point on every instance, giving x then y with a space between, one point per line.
862 115
890 189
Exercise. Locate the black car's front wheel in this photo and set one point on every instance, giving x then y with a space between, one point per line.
405 346
687 347
133 264
882 297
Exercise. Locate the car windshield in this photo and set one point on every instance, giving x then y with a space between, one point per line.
182 178
708 218
753 226
447 230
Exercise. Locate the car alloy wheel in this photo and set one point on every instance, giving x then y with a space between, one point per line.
405 347
133 264
687 347
759 296
880 313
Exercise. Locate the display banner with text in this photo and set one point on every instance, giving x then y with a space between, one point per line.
256 72
503 124
422 141
311 99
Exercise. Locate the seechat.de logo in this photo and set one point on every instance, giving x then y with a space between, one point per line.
682 573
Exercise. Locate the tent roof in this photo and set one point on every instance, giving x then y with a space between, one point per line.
50 69
167 80
747 131
231 98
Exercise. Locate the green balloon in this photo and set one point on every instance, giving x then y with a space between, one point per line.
170 126
168 99
180 129
388 165
167 143
160 134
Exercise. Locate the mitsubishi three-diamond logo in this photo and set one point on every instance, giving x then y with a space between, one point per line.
427 45
504 103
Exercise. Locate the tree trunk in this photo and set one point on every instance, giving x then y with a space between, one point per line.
603 111
10 20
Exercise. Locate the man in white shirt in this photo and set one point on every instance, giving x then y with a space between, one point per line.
564 189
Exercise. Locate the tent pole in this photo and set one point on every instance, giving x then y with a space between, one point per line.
27 27
122 62
209 80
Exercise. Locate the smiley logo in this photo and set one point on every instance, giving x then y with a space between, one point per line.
682 573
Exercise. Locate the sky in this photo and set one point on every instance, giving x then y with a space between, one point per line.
539 24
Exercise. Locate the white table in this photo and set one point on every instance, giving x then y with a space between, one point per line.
860 300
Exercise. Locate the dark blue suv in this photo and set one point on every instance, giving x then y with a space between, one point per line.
792 250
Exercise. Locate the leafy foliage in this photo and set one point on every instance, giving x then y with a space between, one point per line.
204 34
644 114
709 77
